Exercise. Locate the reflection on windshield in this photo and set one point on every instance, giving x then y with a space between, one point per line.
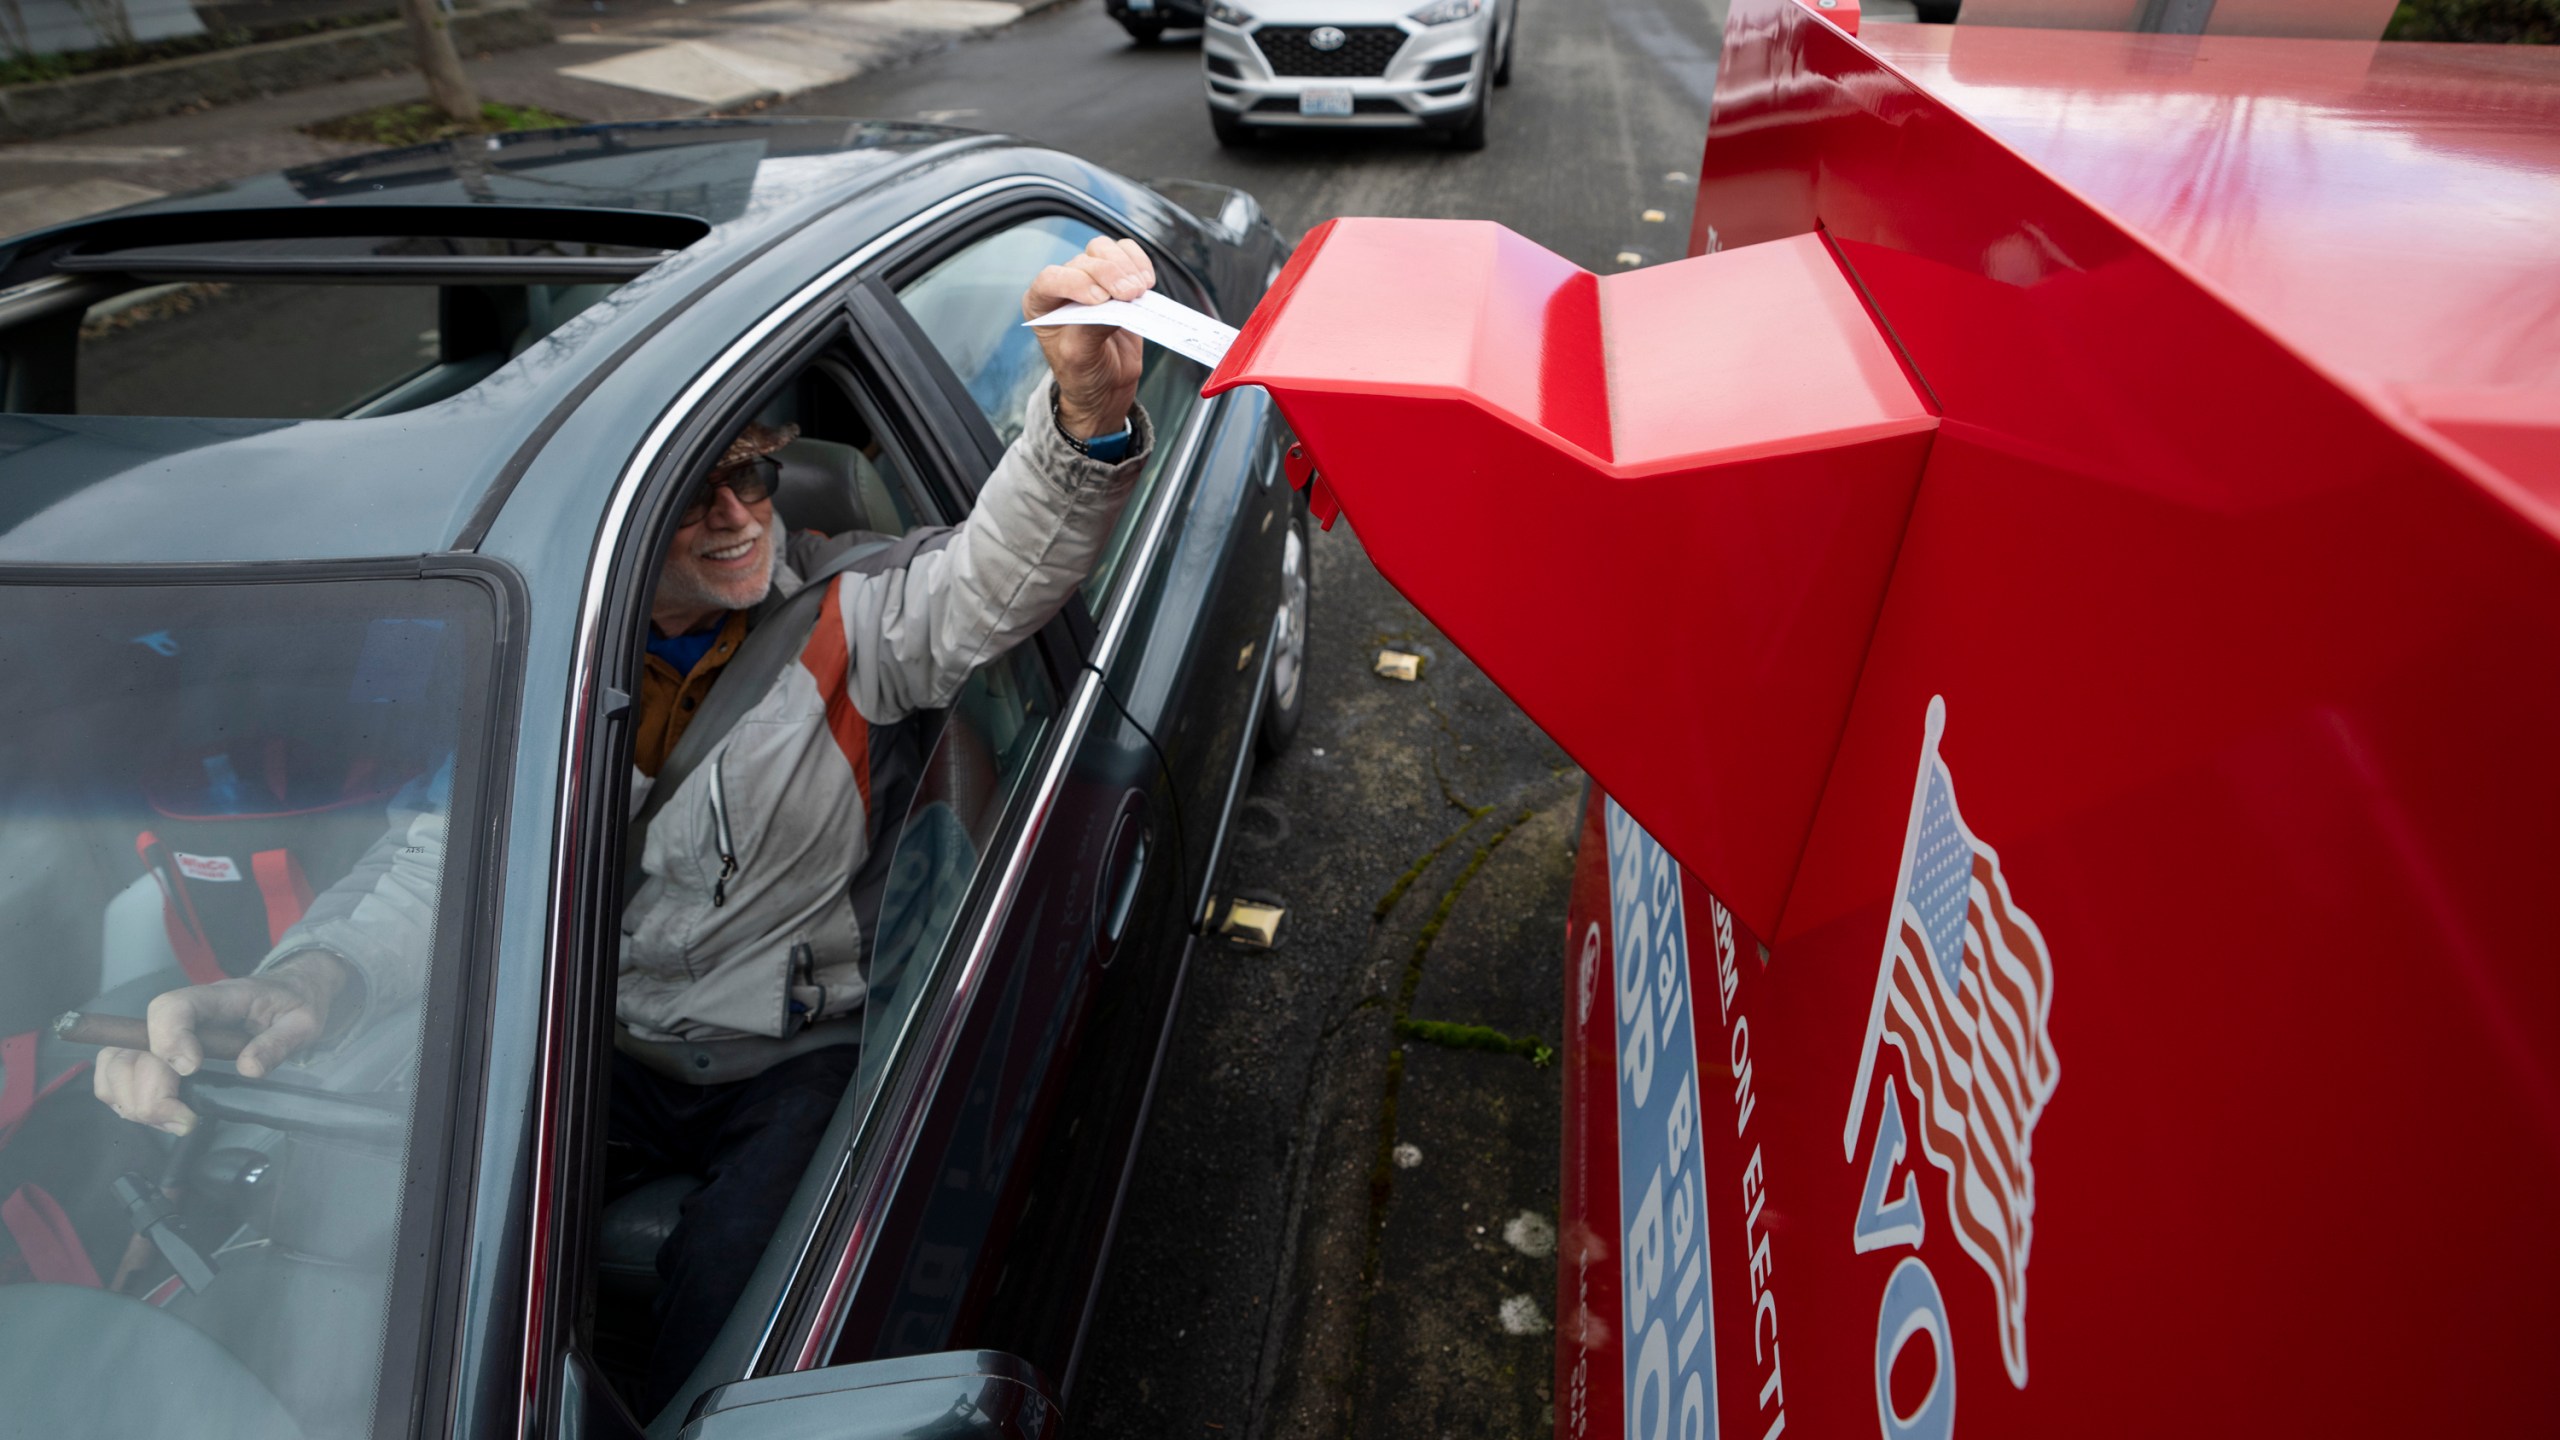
2302 19
208 790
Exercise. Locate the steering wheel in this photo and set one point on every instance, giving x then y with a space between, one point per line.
375 1121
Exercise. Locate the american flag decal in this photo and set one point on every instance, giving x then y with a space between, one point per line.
1965 994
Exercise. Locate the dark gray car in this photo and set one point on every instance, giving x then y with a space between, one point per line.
330 501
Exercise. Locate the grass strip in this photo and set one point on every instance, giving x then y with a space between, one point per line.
417 122
1478 1037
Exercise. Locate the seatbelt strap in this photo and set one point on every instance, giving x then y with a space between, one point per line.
776 639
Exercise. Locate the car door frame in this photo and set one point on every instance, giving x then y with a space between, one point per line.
1136 599
1098 638
1081 657
582 927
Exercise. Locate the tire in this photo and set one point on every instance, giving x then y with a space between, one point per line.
1143 32
1284 698
1502 67
1232 133
1469 133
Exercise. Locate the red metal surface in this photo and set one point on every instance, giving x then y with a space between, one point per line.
1494 421
2384 212
2226 612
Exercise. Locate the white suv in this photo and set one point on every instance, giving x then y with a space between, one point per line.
1381 64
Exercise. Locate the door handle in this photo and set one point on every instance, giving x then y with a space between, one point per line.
1124 866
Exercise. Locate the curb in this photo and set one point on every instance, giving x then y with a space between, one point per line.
143 92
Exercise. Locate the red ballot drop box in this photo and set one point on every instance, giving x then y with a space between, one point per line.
2059 597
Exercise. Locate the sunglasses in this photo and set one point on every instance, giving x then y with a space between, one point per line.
752 481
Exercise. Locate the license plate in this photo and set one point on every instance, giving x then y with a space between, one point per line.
1324 102
1142 7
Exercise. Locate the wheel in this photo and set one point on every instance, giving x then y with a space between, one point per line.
1284 698
1510 39
1144 32
1469 134
1232 132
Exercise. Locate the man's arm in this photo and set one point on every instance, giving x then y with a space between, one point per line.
1041 520
364 943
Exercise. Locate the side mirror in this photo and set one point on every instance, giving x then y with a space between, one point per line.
957 1395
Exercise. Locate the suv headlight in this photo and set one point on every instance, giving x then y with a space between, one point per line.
1443 12
1226 14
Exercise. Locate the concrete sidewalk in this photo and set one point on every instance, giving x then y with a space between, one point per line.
617 61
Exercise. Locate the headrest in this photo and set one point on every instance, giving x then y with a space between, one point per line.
821 487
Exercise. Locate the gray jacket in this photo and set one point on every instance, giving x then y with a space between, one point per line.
745 908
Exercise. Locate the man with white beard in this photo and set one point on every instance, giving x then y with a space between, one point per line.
742 968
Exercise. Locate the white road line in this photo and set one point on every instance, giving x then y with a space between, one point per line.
42 154
36 206
783 47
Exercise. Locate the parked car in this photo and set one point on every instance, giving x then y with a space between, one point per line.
336 497
1147 20
1362 64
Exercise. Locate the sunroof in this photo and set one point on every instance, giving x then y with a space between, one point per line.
303 312
421 257
377 239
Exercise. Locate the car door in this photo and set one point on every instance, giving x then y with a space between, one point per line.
962 1197
1111 884
955 813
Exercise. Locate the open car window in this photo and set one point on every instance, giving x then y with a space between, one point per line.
940 783
202 779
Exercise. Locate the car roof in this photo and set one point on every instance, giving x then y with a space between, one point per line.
114 489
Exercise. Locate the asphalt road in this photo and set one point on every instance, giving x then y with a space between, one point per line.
1342 1221
1604 120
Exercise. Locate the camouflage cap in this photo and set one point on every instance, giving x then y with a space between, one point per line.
754 440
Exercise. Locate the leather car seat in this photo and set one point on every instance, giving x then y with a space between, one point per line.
73 1355
823 487
634 1229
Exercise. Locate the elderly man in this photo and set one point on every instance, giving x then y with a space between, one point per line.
742 958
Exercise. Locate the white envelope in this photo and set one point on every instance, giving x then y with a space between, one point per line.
1169 323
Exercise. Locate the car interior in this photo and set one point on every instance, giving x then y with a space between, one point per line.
197 764
226 329
938 794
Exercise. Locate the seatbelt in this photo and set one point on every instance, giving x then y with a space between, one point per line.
774 640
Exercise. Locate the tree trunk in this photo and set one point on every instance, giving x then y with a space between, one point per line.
447 86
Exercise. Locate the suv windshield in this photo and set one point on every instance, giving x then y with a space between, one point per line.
209 791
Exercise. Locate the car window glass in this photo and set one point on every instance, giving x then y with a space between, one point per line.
981 756
287 351
201 780
1168 390
970 307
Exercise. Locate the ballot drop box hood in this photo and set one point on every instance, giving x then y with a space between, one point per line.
2058 597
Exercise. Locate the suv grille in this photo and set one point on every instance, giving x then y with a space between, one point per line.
1365 50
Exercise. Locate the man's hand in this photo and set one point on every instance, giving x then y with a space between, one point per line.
1096 365
283 1007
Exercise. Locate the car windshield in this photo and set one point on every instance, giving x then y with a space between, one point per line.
202 783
